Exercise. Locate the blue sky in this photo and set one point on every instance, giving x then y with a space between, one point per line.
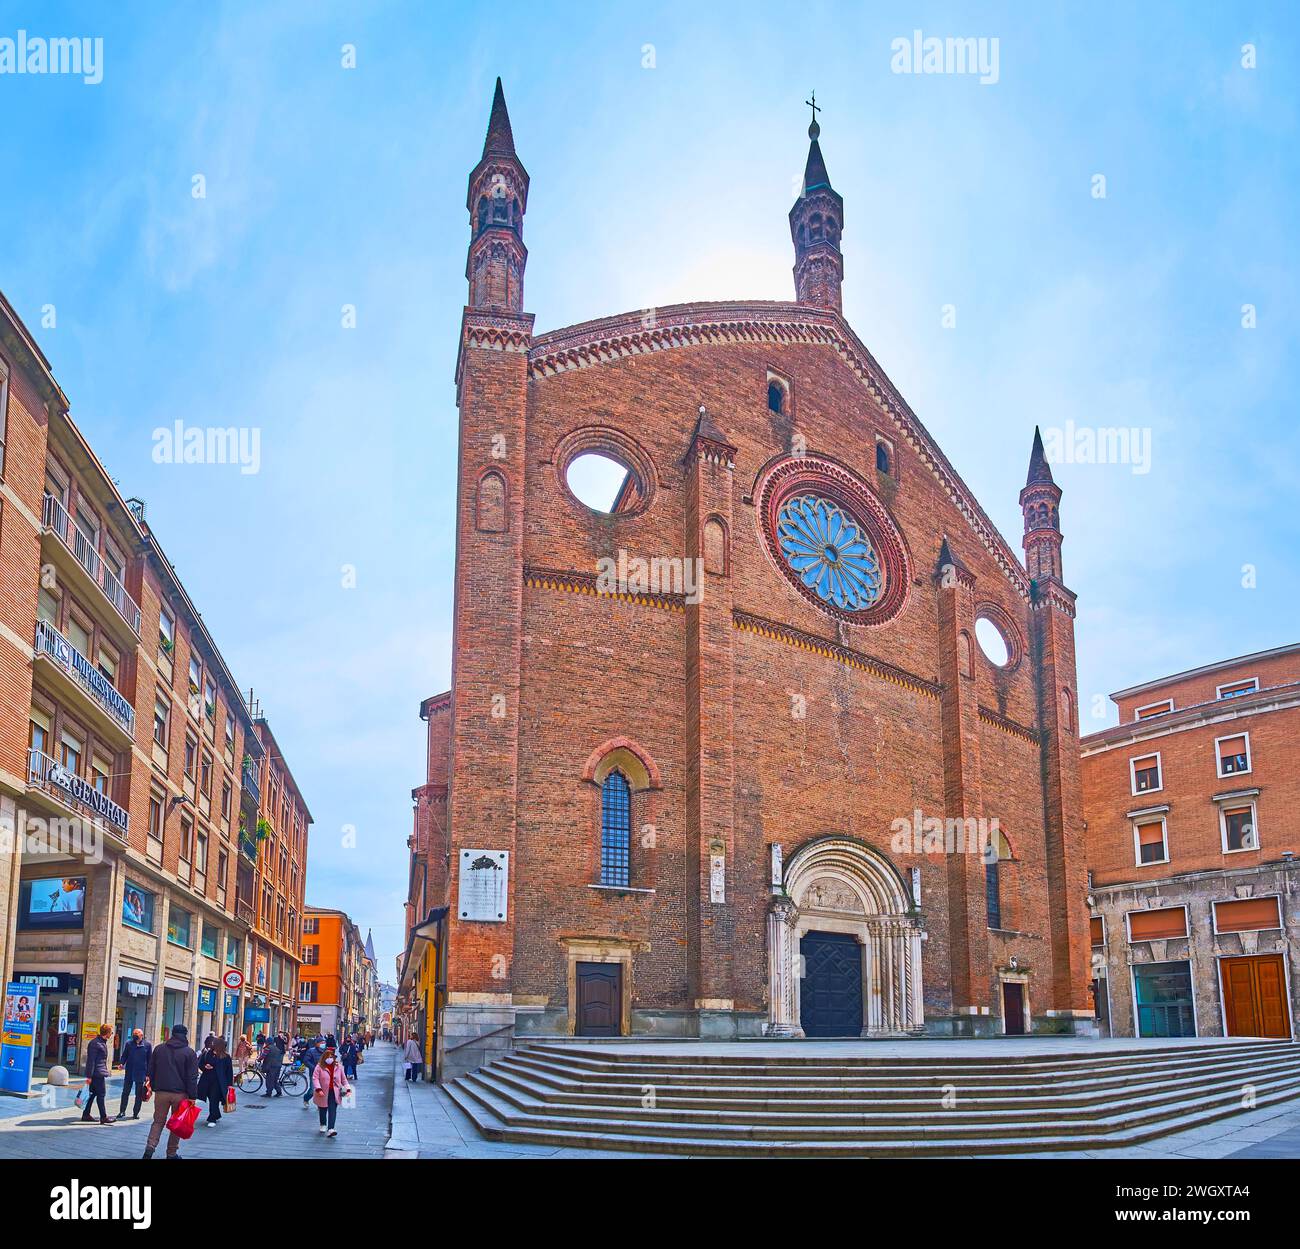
665 143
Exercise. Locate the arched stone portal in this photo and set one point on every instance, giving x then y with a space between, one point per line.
836 885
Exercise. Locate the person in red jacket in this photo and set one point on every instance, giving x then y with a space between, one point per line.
330 1086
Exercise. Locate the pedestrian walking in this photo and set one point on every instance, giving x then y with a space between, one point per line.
243 1052
135 1071
216 1075
174 1078
97 1075
348 1055
412 1059
309 1061
330 1085
272 1061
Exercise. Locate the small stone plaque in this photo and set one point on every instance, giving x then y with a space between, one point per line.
483 883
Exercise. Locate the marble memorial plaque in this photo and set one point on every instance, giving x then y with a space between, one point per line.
484 878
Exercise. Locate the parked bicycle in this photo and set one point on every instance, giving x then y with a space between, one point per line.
293 1080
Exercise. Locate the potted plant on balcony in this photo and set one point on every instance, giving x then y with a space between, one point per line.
165 644
263 829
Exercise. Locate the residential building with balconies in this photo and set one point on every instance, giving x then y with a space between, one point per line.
129 759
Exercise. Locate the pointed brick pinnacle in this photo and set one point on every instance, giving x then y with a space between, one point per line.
500 139
814 174
1039 469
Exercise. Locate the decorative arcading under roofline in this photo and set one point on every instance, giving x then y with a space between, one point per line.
585 583
1007 725
711 324
1054 594
832 650
492 332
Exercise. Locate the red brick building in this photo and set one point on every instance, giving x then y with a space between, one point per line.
723 757
1192 833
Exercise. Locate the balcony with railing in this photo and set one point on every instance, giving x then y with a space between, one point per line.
52 645
250 781
52 778
58 522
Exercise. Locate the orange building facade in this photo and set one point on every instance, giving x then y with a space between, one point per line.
1192 805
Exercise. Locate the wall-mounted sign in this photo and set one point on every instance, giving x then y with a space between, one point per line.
233 979
207 998
257 1014
63 1016
136 988
717 878
484 884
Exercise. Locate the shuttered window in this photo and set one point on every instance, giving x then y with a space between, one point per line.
1169 921
1246 915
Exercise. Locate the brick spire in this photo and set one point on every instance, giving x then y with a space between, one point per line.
816 223
497 199
1039 502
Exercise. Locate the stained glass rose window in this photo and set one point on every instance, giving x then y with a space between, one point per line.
829 552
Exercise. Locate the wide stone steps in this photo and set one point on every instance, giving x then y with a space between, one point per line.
737 1104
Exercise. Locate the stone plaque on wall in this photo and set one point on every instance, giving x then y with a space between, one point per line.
483 881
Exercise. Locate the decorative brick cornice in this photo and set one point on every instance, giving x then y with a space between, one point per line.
492 332
832 650
715 324
1007 725
586 583
435 703
1051 593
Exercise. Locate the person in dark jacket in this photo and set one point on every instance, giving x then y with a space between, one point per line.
97 1075
348 1057
272 1061
174 1078
310 1058
135 1070
216 1075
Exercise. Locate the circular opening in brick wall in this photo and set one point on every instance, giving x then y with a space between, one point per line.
605 471
993 642
596 480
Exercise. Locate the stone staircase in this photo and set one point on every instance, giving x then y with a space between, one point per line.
743 1101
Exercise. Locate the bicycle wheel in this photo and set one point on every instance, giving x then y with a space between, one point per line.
294 1083
249 1081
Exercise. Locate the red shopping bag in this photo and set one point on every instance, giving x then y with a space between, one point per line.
230 1100
183 1119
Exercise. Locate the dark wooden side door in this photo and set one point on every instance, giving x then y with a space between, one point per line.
1254 996
600 999
830 999
1013 1008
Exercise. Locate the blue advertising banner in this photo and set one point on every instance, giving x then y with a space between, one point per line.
257 1014
231 1005
207 998
18 1044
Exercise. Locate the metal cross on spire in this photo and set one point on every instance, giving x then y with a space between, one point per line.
814 130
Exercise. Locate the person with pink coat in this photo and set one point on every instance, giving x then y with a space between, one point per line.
329 1087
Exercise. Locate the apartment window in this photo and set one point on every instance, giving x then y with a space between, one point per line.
223 867
311 955
78 634
208 942
101 770
230 734
47 607
205 775
1237 824
279 917
284 862
39 731
196 677
1233 754
1154 709
1097 931
187 840
210 700
179 924
311 923
191 756
226 793
1235 689
71 749
201 854
307 991
234 950
162 715
1145 773
166 632
1150 841
293 926
106 661
155 816
1160 925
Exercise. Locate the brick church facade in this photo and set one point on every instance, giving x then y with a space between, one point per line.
727 759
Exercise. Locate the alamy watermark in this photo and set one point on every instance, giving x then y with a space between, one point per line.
932 834
931 55
80 56
661 574
1086 444
208 444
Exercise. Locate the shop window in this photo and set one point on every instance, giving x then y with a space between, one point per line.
1247 915
209 946
138 907
178 927
1163 993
